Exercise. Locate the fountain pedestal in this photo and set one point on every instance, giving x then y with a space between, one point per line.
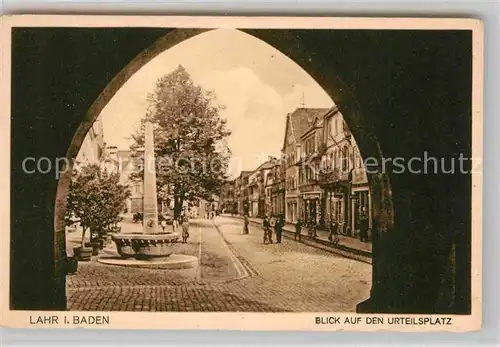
145 246
152 246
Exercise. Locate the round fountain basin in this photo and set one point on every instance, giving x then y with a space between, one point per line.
145 246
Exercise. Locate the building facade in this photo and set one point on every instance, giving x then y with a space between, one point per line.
319 178
242 192
124 163
311 197
228 198
343 176
275 189
93 147
297 124
253 193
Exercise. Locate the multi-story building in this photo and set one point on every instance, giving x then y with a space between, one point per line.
204 208
257 188
254 182
124 163
342 176
310 202
360 192
242 192
93 146
237 194
297 123
275 189
227 197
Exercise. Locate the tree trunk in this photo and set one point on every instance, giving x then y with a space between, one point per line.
83 237
181 202
178 201
177 207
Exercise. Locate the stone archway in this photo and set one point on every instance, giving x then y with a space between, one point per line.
338 91
401 93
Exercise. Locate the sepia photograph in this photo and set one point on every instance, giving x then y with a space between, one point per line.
326 169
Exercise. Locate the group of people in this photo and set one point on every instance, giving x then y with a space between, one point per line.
276 223
211 215
311 229
182 223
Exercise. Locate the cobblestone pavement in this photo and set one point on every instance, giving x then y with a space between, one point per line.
236 273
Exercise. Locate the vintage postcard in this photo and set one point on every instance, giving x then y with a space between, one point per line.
241 173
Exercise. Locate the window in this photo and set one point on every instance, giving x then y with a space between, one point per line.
339 213
345 158
326 129
359 160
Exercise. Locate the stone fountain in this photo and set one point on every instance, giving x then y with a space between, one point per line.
152 246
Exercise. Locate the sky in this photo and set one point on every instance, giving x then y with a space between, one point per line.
257 84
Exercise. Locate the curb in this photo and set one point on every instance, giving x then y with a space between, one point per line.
248 270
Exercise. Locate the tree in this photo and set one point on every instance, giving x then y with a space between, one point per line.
189 132
95 199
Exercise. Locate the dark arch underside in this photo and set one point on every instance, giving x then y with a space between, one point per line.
401 92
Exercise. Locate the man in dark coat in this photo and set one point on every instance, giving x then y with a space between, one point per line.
363 226
267 230
278 228
245 224
298 230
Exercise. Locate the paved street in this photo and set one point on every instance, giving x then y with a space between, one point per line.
236 273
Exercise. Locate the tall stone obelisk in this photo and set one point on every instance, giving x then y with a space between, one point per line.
150 202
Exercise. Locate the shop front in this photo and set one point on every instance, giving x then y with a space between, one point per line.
335 195
254 210
360 201
292 209
311 208
336 209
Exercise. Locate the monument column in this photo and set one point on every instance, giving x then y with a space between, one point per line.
150 197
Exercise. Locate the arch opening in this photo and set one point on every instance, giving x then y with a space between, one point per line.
377 199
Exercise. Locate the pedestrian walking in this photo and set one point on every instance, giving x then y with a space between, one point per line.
175 224
272 226
280 223
266 226
363 226
245 224
185 229
298 230
333 237
312 228
163 224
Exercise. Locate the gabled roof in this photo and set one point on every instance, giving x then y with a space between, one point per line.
317 124
245 173
268 164
301 120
